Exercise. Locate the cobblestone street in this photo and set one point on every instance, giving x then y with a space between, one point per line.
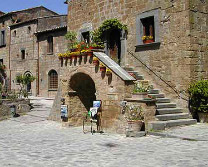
42 143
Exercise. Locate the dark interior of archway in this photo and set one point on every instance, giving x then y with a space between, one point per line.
114 44
85 88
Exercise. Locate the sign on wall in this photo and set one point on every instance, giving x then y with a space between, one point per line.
64 111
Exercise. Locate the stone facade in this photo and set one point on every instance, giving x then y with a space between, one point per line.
81 82
178 56
175 58
24 51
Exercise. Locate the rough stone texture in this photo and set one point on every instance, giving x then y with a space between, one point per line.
110 90
48 62
22 106
181 56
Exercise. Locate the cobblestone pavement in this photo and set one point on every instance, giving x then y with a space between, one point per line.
44 143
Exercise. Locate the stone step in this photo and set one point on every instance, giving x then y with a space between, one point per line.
161 125
162 100
162 111
139 95
154 91
167 117
128 68
165 105
161 95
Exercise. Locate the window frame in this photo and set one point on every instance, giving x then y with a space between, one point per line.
23 57
140 30
2 38
50 43
52 80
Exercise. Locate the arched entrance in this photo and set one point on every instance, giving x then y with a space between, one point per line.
114 45
29 85
85 89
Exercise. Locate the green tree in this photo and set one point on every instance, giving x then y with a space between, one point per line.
2 73
23 81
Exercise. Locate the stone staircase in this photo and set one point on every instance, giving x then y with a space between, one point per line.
167 113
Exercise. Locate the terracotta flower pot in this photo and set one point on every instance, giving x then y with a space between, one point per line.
102 69
73 56
135 125
90 54
96 62
148 41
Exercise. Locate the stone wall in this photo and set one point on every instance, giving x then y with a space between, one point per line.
110 90
199 39
50 62
172 58
24 40
22 106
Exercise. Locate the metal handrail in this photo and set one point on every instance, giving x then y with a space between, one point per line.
157 75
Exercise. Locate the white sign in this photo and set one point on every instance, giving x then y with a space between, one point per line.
93 111
64 111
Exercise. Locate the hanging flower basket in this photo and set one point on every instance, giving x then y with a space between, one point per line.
95 61
73 56
148 41
89 53
102 67
108 71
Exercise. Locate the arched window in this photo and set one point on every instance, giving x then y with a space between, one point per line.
53 80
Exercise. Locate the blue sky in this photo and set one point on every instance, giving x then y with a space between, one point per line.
13 5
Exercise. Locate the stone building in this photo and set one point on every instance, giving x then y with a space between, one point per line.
176 56
30 41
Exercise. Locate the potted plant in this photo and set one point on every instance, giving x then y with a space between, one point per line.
71 36
141 90
147 39
135 117
74 55
108 71
198 100
95 61
102 67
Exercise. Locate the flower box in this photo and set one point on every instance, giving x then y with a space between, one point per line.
148 41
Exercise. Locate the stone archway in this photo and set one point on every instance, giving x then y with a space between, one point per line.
29 85
81 96
84 87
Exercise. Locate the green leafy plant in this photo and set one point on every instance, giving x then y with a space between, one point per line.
198 95
2 73
134 112
107 26
24 80
71 36
140 87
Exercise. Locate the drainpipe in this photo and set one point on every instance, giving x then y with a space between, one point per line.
38 67
10 75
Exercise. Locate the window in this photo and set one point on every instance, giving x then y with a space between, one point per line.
86 37
28 30
1 61
53 80
50 44
2 38
147 28
23 54
14 33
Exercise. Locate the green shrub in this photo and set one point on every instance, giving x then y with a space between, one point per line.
198 93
